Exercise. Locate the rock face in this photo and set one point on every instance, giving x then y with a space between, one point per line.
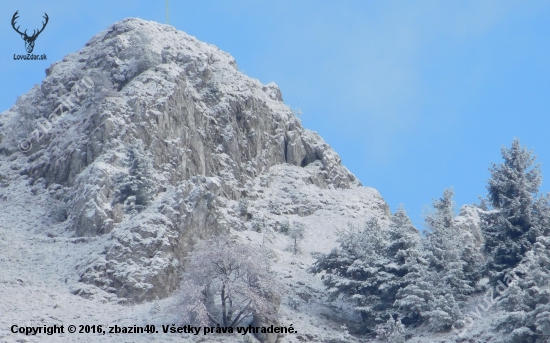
212 133
468 220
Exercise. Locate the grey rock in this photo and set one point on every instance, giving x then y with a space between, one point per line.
212 132
469 221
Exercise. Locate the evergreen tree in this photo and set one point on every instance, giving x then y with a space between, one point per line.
357 269
443 247
442 273
443 311
412 301
512 228
525 293
371 266
138 182
407 265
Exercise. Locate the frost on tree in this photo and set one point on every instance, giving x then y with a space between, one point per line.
519 216
442 273
226 283
137 187
354 268
415 291
525 293
371 265
393 331
444 247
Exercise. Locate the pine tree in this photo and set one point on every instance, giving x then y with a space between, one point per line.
372 264
443 246
356 270
443 311
513 227
443 272
412 301
138 182
525 293
403 239
406 266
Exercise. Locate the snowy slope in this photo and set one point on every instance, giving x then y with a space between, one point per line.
216 138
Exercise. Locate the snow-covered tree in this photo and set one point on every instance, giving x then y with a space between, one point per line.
407 265
372 264
225 283
394 271
138 182
511 230
296 233
345 337
392 331
443 311
437 279
356 269
413 299
525 293
444 249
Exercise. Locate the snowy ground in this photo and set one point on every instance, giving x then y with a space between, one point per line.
39 259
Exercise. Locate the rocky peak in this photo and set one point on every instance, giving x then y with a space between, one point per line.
209 130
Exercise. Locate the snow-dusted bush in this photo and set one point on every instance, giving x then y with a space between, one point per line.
242 208
392 331
225 283
58 210
294 303
258 224
284 227
268 235
274 207
138 182
345 337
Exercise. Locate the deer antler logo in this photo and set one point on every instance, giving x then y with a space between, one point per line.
29 40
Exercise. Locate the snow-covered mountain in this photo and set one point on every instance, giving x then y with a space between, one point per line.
216 139
225 155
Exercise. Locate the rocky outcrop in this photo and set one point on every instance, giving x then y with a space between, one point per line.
210 130
469 221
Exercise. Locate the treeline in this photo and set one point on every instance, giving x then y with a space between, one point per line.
397 278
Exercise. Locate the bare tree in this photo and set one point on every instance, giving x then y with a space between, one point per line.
296 233
227 282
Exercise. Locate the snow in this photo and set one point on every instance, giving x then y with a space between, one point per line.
56 272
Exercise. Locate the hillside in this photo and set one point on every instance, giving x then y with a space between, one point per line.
212 151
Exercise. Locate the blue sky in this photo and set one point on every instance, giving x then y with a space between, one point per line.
415 96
